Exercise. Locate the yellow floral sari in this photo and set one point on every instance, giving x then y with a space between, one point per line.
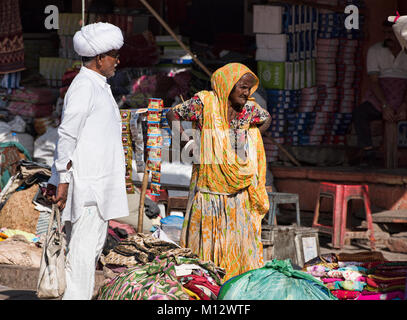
228 198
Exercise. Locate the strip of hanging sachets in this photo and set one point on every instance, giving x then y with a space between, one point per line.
127 147
154 143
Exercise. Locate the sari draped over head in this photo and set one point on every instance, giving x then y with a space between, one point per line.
221 170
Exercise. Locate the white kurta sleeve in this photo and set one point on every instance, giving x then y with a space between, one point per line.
372 61
77 107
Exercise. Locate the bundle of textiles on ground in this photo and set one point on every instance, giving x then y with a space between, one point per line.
32 102
144 267
367 277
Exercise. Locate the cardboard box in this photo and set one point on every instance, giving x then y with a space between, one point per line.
272 74
268 19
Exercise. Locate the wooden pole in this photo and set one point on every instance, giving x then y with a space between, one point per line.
390 144
142 198
169 30
83 13
282 149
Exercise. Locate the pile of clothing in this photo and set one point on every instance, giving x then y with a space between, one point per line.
356 278
32 102
144 267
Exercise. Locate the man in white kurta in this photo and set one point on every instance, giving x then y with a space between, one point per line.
89 166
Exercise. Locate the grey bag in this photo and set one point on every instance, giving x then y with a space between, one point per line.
51 280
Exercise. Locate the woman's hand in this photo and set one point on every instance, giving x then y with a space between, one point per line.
265 125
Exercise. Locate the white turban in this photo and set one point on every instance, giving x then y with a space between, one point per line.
400 29
97 38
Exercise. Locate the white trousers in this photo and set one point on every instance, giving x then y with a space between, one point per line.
86 241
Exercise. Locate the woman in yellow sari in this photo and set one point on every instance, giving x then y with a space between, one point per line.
227 198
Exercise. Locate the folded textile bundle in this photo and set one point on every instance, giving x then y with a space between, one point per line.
30 109
34 95
147 268
362 279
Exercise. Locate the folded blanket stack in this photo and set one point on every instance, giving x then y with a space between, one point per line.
359 280
32 102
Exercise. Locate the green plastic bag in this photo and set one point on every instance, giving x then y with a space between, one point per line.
277 280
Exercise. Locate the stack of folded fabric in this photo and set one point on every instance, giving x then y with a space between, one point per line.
32 102
143 267
360 280
127 147
385 281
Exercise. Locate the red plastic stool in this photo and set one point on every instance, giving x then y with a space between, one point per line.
341 194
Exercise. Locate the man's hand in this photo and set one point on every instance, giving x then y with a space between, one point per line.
61 195
50 192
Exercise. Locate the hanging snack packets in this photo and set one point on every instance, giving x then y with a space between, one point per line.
154 129
154 116
155 177
154 165
165 128
127 147
154 153
126 139
154 144
126 127
154 141
155 189
125 114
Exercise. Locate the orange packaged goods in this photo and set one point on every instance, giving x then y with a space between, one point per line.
154 165
155 177
154 116
154 103
154 153
154 129
154 141
155 189
125 114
